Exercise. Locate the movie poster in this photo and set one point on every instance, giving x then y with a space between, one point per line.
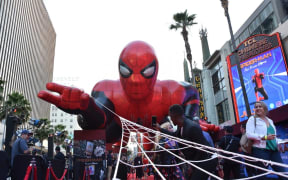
265 77
89 153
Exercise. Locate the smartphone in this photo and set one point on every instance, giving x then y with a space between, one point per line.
154 121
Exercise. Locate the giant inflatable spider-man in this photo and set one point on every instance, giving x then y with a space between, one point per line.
138 95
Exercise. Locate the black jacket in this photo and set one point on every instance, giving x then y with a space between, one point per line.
59 156
191 132
229 143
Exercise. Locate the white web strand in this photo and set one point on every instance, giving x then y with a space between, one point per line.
128 125
150 161
175 155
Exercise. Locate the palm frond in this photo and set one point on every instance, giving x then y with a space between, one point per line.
191 17
175 26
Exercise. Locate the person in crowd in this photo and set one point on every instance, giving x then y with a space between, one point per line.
230 143
45 157
146 168
70 164
59 155
109 164
171 172
138 162
191 131
246 148
114 162
122 169
262 131
206 134
20 146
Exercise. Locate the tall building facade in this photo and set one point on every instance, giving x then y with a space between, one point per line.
270 17
27 47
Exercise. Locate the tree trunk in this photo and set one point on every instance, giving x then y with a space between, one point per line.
188 50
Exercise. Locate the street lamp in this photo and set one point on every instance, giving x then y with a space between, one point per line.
225 6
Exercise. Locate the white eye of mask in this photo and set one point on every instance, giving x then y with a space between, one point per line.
149 71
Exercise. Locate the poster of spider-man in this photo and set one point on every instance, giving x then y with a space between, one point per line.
265 78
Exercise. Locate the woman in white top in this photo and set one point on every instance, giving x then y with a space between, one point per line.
262 131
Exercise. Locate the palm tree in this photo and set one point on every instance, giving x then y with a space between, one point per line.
16 110
59 139
19 105
43 131
186 71
184 21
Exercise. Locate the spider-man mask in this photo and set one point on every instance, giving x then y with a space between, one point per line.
138 68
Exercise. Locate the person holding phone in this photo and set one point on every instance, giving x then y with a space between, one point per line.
262 131
189 130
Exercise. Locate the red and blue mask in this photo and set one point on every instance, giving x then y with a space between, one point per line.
138 68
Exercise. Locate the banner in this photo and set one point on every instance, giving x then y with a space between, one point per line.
264 74
201 104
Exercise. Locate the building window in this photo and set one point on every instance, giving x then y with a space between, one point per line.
268 25
71 120
71 126
223 111
218 77
215 81
61 120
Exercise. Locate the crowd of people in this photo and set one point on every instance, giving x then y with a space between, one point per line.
258 139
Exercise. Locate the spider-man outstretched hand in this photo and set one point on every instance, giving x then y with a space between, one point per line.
136 96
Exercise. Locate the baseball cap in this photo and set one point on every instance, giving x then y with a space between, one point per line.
24 131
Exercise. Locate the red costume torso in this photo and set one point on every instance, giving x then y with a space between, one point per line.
136 96
165 93
257 78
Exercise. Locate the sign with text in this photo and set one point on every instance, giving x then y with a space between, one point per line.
201 104
264 70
